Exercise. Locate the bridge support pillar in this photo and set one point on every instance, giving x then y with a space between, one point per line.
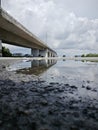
0 48
49 54
43 53
35 52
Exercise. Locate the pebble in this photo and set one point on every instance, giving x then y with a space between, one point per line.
74 128
88 88
60 90
49 88
3 66
88 81
85 111
57 122
53 83
44 102
67 85
83 86
2 83
94 90
76 114
74 87
1 122
27 112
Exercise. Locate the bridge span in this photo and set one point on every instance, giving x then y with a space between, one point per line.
12 32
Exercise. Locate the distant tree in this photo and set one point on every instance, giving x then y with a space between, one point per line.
64 55
83 55
6 52
76 56
90 55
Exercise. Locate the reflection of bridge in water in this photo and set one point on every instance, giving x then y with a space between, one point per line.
38 67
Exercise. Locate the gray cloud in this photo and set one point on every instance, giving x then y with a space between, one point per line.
82 8
68 24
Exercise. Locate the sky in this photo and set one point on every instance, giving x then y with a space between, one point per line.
69 27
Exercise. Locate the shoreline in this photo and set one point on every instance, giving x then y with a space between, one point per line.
28 102
42 58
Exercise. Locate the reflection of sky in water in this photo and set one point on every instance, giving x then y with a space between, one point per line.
19 65
62 72
70 72
75 73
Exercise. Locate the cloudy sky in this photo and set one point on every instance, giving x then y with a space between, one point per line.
71 26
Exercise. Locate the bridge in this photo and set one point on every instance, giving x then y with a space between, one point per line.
12 32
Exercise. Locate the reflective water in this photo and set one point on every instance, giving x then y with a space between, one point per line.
77 73
62 71
35 67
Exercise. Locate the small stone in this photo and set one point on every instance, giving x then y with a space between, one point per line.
85 111
71 92
73 87
27 112
92 115
94 90
88 88
44 129
1 122
33 90
33 125
44 102
52 83
50 112
88 81
76 114
42 81
66 84
60 90
3 66
1 83
55 91
50 88
74 128
57 122
83 86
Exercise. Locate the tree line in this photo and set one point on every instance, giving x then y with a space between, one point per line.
89 55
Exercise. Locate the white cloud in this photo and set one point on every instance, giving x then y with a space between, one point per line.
68 25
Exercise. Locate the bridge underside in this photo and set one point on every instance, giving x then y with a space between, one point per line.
12 32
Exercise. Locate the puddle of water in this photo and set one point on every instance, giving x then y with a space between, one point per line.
62 71
58 69
78 73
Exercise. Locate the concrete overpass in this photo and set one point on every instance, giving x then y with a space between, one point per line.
12 32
